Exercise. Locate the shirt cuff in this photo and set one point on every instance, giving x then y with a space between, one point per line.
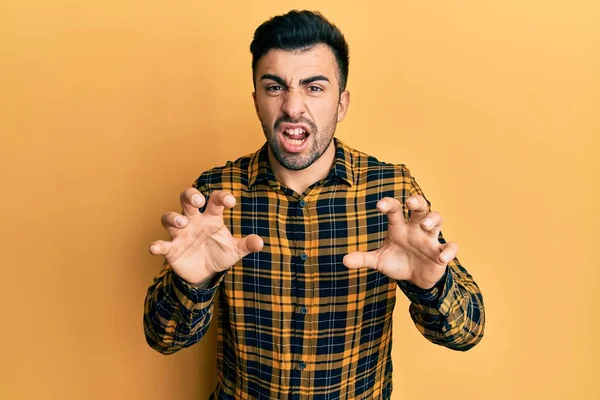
432 297
192 297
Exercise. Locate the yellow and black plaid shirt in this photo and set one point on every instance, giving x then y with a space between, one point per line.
294 323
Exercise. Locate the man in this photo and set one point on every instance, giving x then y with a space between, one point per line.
304 243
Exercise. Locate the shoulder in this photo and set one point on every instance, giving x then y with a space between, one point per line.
368 168
232 176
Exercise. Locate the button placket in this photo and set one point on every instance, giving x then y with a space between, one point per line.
303 213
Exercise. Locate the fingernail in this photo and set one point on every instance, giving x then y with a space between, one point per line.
383 203
153 247
427 223
179 221
412 201
196 199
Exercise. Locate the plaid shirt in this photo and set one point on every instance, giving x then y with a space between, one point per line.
294 322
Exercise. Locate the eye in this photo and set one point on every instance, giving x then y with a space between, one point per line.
315 89
274 88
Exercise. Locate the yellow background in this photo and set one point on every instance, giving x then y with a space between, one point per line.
108 109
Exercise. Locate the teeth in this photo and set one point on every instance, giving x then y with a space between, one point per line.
295 136
295 131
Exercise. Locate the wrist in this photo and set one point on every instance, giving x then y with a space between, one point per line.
201 281
200 278
431 282
202 284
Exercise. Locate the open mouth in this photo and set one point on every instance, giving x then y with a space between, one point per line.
295 136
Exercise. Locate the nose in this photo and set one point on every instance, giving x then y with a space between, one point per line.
293 105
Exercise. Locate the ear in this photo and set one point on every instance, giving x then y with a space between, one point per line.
343 105
255 103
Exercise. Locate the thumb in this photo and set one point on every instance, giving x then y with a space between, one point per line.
249 244
360 259
449 251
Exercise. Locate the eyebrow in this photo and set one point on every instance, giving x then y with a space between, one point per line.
313 79
304 81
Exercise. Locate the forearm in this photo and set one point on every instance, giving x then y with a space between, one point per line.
176 315
454 316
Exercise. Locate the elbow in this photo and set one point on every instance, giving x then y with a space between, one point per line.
161 345
164 344
470 332
171 340
466 343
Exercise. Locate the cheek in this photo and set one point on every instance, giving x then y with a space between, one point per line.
268 109
323 110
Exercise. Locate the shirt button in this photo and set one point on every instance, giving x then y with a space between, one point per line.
303 310
302 365
303 256
302 203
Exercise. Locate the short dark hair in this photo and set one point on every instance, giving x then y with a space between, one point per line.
298 30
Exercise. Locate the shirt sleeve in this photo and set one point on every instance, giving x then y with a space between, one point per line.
176 314
451 313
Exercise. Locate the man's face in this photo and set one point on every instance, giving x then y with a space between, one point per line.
298 102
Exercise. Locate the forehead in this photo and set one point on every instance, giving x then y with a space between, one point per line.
292 64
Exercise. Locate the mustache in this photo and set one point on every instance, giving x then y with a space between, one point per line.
289 120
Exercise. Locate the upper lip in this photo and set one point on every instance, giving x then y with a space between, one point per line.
285 127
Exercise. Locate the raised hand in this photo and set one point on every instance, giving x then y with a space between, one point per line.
201 245
411 250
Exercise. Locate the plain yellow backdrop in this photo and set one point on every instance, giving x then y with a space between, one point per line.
108 109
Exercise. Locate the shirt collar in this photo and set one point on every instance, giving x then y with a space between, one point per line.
259 168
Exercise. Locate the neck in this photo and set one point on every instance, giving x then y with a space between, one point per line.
300 180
